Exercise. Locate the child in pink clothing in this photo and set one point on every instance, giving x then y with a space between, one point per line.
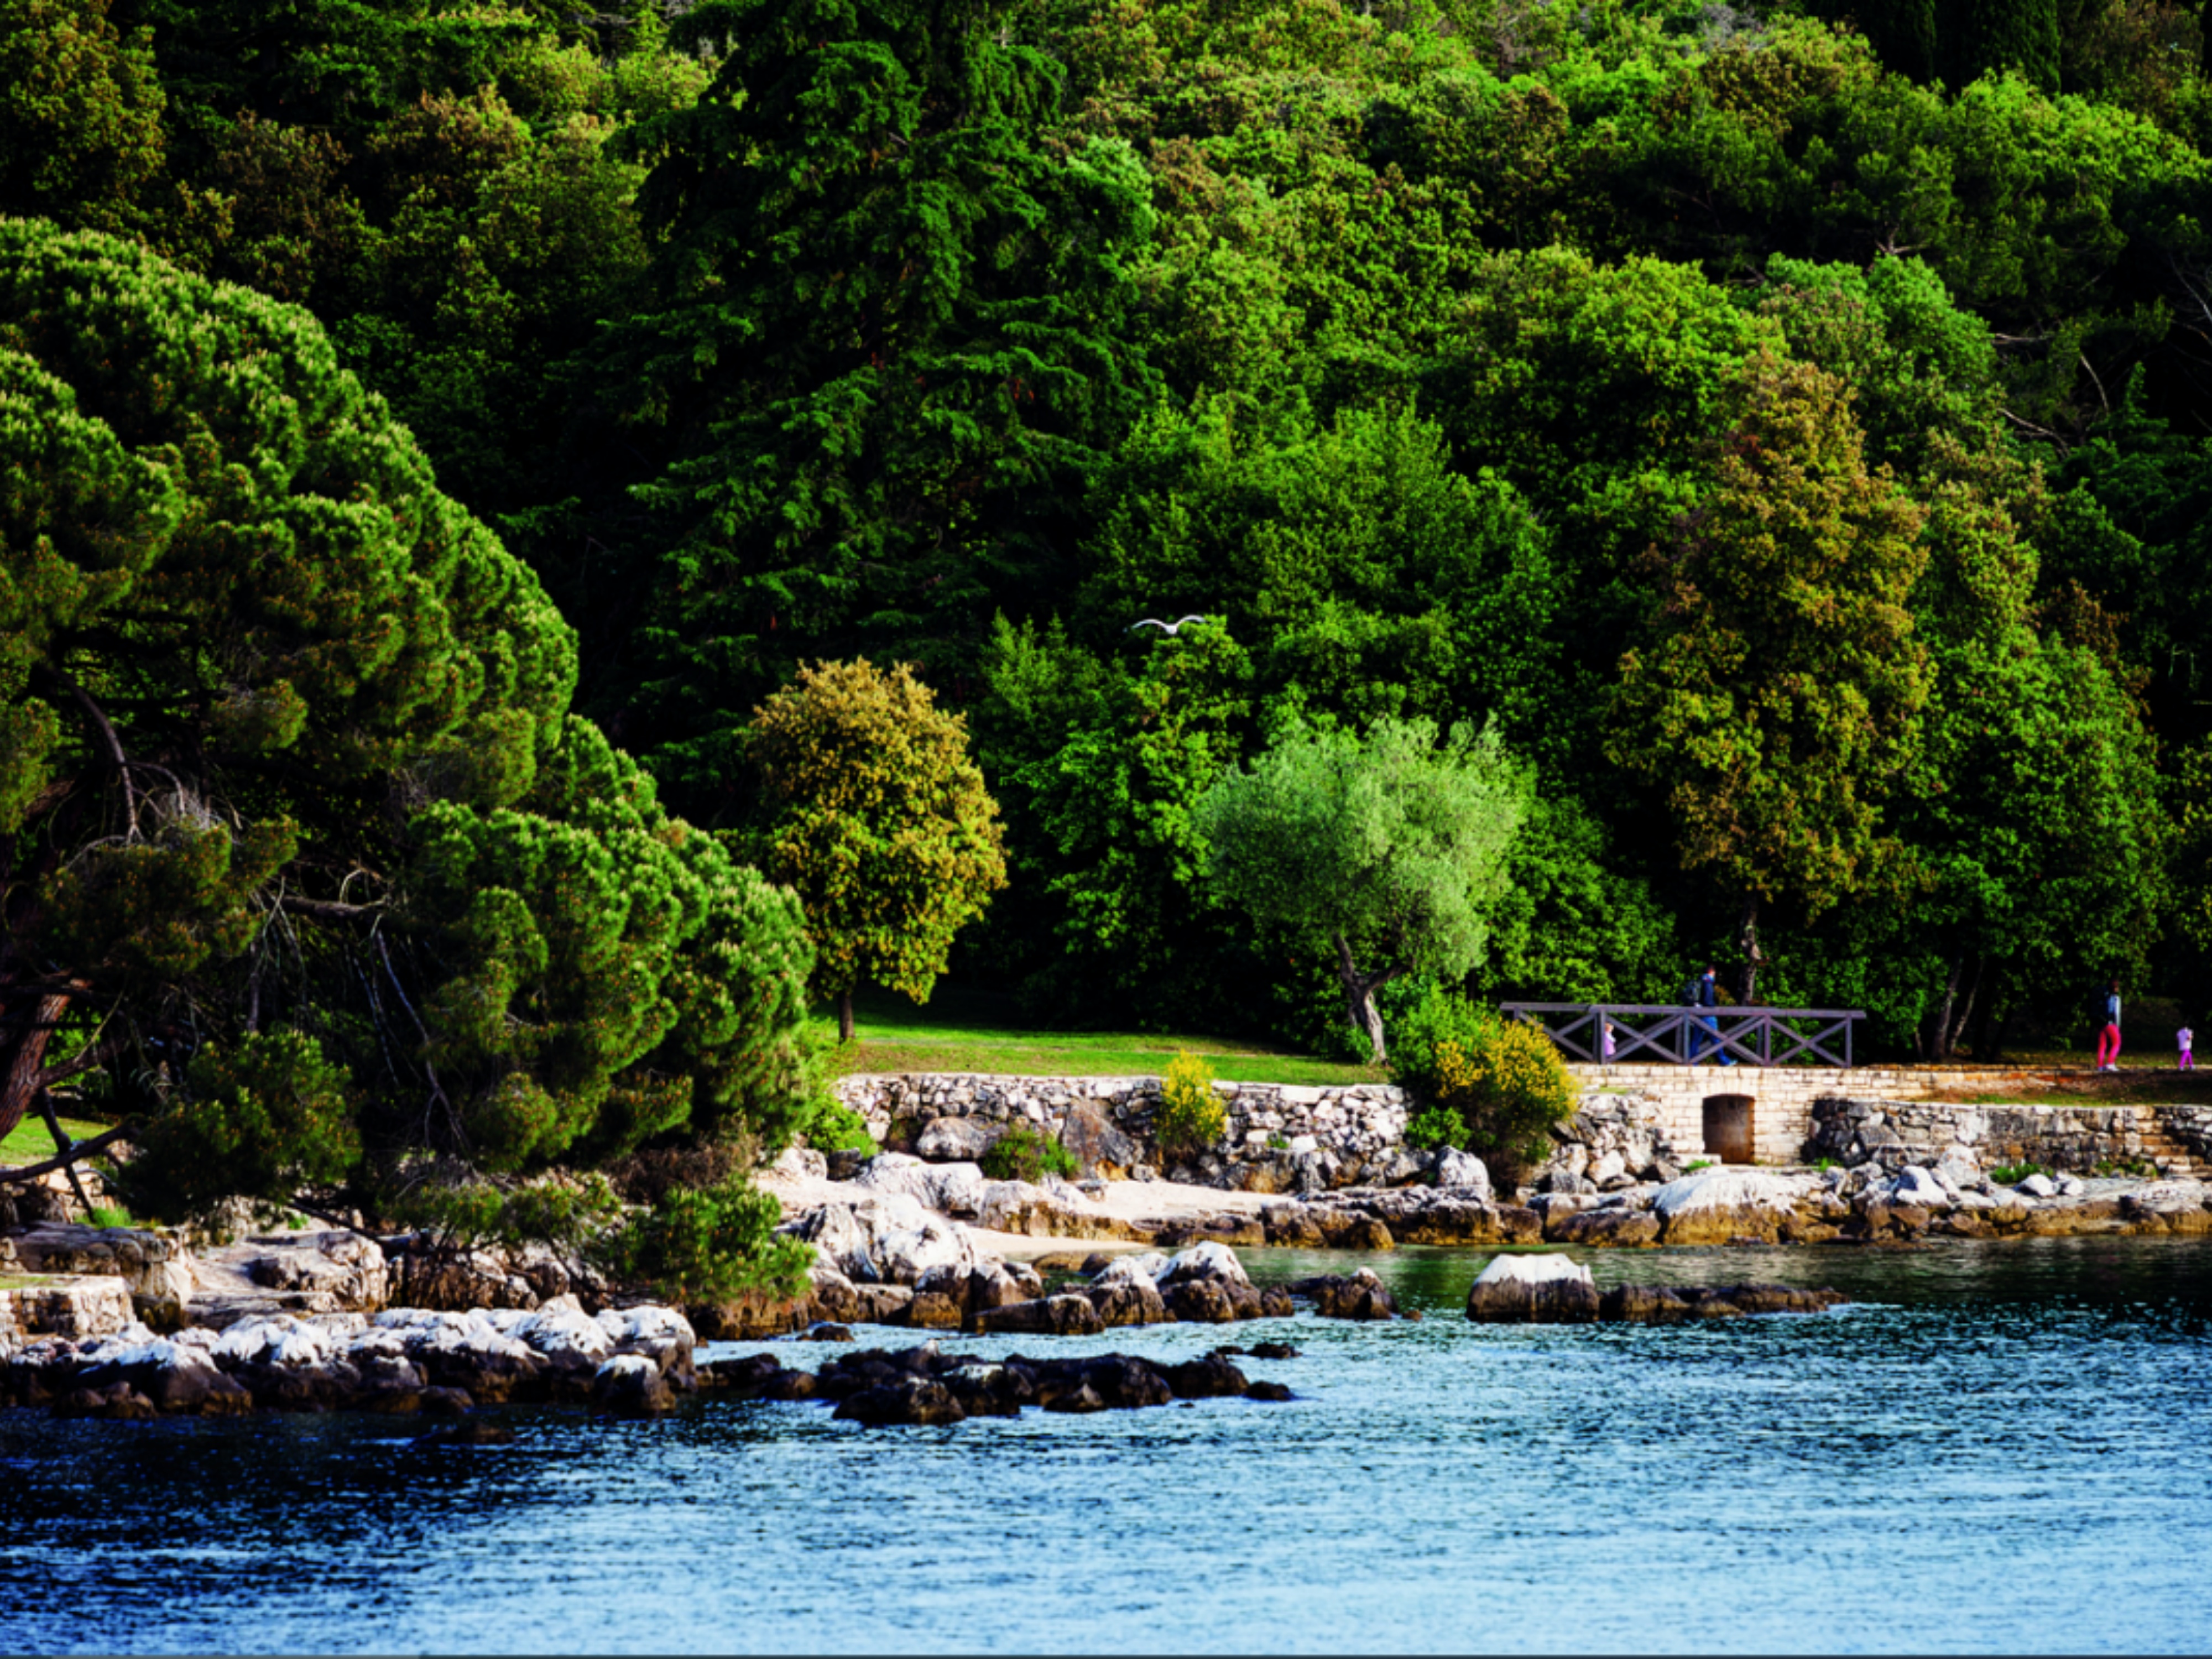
2185 1037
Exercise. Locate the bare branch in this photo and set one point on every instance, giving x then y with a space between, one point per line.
76 1154
327 909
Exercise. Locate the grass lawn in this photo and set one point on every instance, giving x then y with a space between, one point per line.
976 1032
29 1142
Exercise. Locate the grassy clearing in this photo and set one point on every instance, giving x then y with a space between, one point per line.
975 1031
30 1142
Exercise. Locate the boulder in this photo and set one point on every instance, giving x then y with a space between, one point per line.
350 1269
2038 1185
1549 1289
1128 1297
1211 1378
1361 1297
150 1265
1206 1302
1211 1262
573 1344
2173 1206
906 1402
1617 1227
1098 1148
1051 1316
631 1385
1458 1171
661 1334
958 1139
1918 1186
932 1311
1714 1206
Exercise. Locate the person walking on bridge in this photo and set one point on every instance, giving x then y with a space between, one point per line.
2108 1040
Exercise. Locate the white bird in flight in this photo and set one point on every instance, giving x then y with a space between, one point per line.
1165 628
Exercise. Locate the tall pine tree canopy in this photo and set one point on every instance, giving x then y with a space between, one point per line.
308 871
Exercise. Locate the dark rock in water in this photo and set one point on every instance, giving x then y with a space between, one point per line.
1653 1304
909 1400
448 1402
741 1379
1126 1383
1082 1398
1361 1297
1211 1378
475 1432
932 1310
1127 1299
1200 1301
1051 1316
827 1332
791 1385
393 1400
1270 1391
631 1385
1273 1350
1644 1304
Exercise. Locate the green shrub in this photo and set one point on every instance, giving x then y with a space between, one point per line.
1026 1154
2011 1175
1191 1116
836 1127
1493 1086
710 1244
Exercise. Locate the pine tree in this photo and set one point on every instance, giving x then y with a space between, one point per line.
308 873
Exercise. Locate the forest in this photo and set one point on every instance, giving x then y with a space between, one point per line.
434 430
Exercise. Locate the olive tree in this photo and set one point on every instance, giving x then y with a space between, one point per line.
1386 852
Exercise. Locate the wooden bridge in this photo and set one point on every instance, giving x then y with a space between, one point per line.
1650 1033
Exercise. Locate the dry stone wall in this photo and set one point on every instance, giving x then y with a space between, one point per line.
1276 1137
2079 1139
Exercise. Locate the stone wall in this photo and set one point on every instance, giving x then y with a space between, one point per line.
1277 1137
1781 1098
1284 1139
2073 1138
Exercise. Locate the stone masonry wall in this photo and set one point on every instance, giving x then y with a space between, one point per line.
1277 1137
2071 1139
1281 1138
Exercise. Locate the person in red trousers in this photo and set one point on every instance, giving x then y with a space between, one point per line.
2108 1040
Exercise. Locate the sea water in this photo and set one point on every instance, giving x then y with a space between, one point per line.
2002 1446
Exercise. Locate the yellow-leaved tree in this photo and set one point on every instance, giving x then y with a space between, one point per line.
880 821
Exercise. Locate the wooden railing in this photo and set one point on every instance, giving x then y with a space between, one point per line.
1654 1033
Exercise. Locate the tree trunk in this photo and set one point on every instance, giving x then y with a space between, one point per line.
1747 986
845 1015
1935 1032
26 1060
1360 1000
1958 1032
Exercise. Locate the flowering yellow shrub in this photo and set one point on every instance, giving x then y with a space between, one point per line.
1191 1116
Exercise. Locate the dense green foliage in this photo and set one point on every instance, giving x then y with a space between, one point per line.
1492 1086
308 868
1025 1153
1783 424
879 821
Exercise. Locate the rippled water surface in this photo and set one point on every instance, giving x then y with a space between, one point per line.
2001 1446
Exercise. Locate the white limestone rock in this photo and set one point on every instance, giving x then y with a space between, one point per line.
1463 1171
1210 1261
1550 1288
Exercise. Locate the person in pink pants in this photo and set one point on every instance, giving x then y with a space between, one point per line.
2108 1040
2187 1038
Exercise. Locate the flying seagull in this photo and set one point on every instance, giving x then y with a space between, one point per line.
1165 628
